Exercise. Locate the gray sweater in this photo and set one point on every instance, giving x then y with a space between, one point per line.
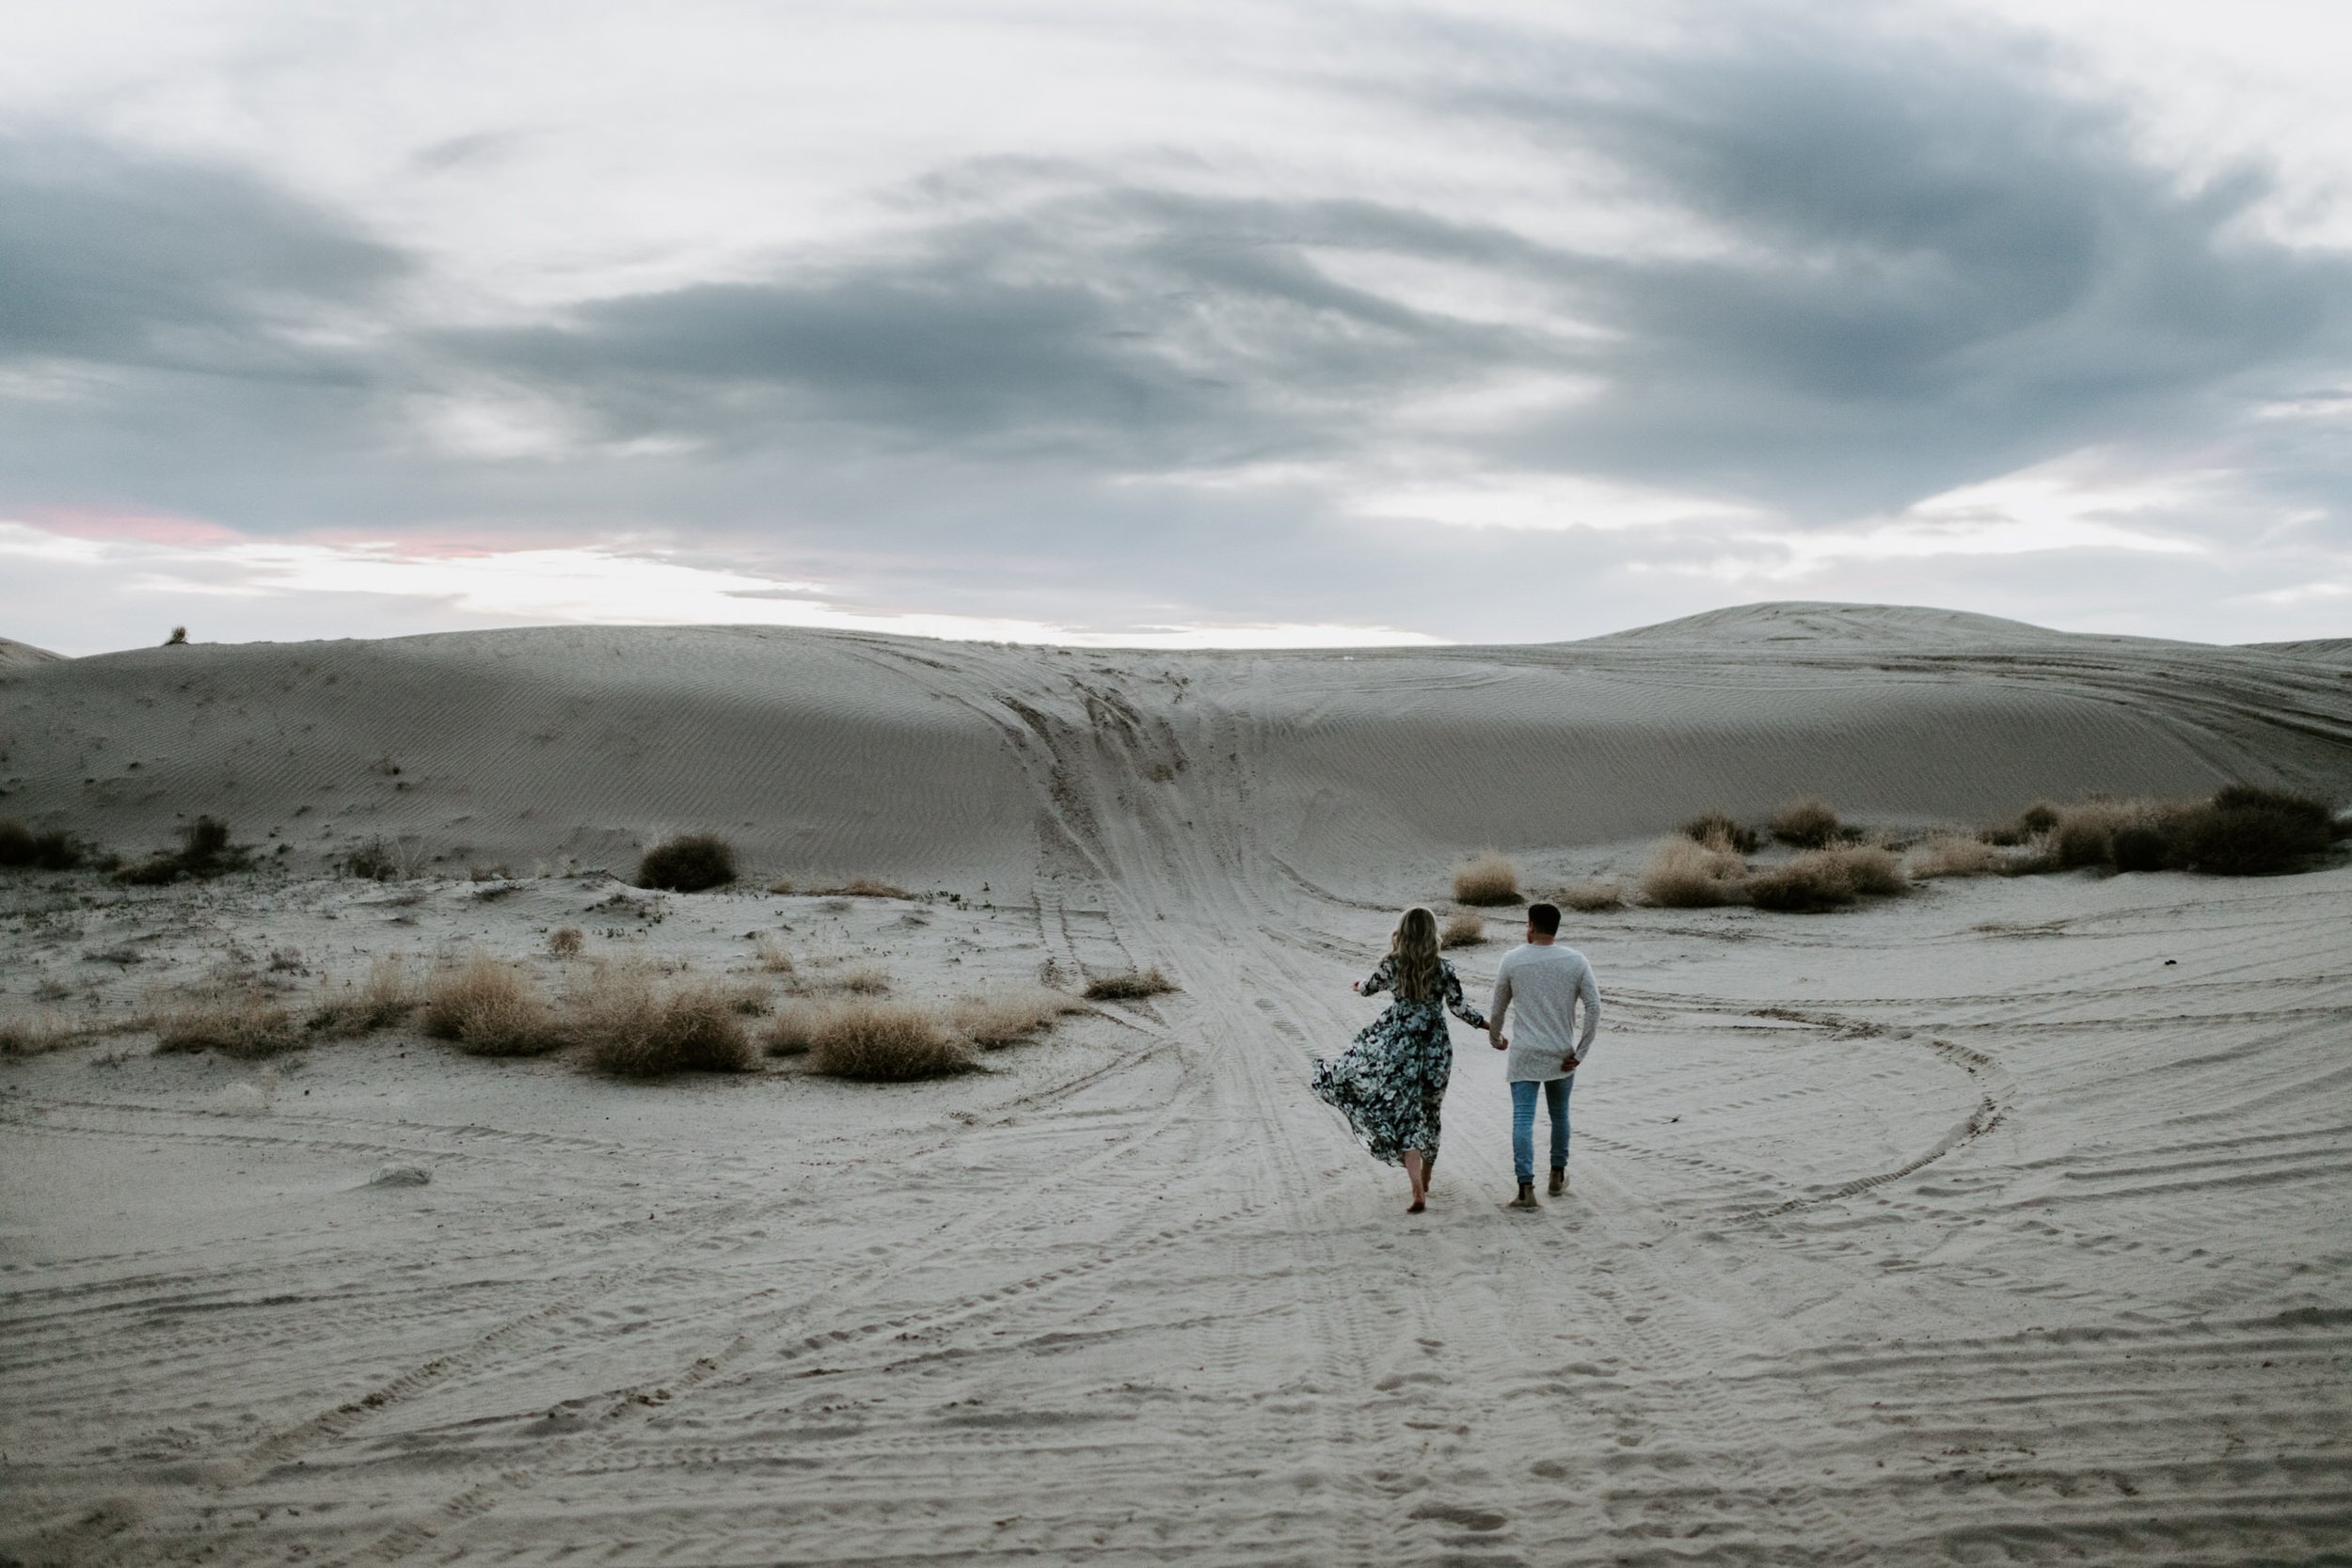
1545 985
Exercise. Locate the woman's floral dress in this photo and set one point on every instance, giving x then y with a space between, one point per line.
1390 1082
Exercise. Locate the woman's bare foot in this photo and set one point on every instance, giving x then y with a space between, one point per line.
1417 1172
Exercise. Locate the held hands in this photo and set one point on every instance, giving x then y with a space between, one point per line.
1502 1042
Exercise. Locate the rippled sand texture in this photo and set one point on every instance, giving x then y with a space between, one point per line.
1962 1229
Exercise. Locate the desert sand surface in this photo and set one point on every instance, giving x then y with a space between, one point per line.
2008 1220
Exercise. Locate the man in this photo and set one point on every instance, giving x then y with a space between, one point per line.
1547 981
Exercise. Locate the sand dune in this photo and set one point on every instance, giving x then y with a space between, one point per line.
2002 1221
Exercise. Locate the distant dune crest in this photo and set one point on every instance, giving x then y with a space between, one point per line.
1880 625
19 656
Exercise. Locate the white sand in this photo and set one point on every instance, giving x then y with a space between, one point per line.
1958 1228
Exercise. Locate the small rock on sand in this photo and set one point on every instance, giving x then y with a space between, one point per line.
397 1175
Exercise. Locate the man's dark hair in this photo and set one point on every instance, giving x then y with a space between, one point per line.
1545 918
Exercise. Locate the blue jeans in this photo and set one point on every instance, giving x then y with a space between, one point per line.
1523 1125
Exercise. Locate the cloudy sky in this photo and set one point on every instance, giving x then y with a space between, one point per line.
1170 324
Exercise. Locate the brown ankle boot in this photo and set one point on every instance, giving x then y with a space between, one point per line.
1526 1198
1559 1182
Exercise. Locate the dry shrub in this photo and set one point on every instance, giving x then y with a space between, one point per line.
20 847
1826 879
565 942
885 1042
1005 1018
235 1021
865 980
1590 897
869 887
792 1028
1951 855
1687 876
379 1002
1719 830
1487 878
1128 985
1807 822
748 998
770 954
2248 832
1462 929
635 1026
689 862
782 884
30 1035
490 1009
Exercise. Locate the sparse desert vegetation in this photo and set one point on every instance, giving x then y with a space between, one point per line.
386 997
205 851
1591 895
770 954
565 942
1719 830
689 862
489 1009
1006 1018
1462 928
885 1043
1487 878
1808 822
1128 985
21 848
869 887
31 1033
2240 831
1821 880
1954 855
631 1023
243 1021
1683 875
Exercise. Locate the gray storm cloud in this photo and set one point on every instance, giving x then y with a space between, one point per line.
1907 265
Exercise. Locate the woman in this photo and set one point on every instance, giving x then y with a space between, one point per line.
1390 1082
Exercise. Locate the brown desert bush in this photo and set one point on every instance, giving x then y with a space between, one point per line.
1719 830
1593 895
1827 879
490 1008
869 887
23 848
885 1043
1687 876
770 954
32 1034
1807 822
1005 1018
235 1021
793 1027
1952 855
864 981
2248 832
1128 985
204 852
1487 878
565 942
1462 929
689 862
633 1025
382 1000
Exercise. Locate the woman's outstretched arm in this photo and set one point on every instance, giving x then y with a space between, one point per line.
1455 1001
1379 982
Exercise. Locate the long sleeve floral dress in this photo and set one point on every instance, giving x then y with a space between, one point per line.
1390 1082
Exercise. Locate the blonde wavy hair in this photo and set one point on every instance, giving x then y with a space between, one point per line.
1413 954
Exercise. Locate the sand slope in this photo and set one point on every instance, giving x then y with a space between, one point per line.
1965 1228
832 754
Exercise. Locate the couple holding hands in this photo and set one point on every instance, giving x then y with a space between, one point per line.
1391 1081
